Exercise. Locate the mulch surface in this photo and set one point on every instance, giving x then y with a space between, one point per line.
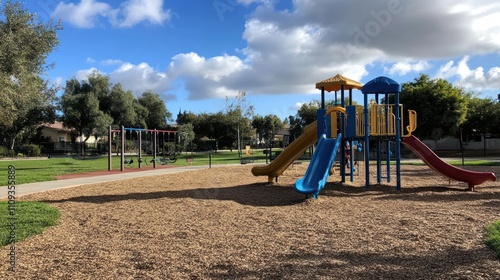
224 223
110 172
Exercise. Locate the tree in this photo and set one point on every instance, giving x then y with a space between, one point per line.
239 110
258 123
26 99
440 106
267 127
157 111
80 107
272 124
122 109
186 117
482 118
306 115
186 136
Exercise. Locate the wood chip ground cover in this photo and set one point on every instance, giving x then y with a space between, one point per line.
224 223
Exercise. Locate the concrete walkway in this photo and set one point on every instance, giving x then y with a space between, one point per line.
30 188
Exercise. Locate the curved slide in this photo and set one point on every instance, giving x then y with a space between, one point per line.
289 154
319 169
437 164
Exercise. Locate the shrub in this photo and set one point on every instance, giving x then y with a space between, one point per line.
31 150
4 152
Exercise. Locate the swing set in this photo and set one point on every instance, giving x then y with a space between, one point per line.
153 137
163 160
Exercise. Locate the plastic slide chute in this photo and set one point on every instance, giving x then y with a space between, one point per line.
472 178
319 169
289 154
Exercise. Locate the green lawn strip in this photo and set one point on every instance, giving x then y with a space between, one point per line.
30 218
493 237
30 171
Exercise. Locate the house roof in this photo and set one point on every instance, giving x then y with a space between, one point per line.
56 126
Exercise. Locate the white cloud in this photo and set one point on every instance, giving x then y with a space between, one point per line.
136 11
83 74
403 68
140 78
288 51
84 14
88 13
475 79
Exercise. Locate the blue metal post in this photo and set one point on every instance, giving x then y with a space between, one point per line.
388 146
398 142
322 98
342 130
379 167
367 142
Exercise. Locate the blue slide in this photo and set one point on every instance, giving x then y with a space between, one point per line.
319 168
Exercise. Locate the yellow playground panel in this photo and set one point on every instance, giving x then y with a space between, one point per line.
382 120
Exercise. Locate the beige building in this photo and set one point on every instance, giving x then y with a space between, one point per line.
59 134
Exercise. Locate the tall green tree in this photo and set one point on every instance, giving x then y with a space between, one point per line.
267 127
26 99
158 114
272 125
121 108
441 107
80 107
186 136
306 115
482 118
258 123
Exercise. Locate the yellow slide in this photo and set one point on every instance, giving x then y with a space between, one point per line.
289 154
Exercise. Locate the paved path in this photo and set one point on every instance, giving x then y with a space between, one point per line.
24 189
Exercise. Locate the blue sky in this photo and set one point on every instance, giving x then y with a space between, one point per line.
195 53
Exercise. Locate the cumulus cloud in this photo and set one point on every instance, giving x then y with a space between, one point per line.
140 78
133 12
85 14
288 51
206 78
89 13
466 77
403 68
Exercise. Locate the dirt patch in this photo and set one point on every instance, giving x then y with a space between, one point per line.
224 223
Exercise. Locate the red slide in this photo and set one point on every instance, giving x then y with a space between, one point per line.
440 166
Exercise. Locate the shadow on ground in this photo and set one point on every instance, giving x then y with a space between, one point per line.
303 264
259 194
429 193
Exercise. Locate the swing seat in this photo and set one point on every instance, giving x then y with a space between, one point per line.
129 161
164 161
172 160
246 160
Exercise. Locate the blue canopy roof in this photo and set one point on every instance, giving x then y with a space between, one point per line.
381 85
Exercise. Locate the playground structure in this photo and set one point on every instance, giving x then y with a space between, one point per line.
377 122
154 137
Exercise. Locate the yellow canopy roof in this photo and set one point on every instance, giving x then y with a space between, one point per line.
335 83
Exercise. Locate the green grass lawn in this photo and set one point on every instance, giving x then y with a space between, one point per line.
29 218
493 237
30 171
